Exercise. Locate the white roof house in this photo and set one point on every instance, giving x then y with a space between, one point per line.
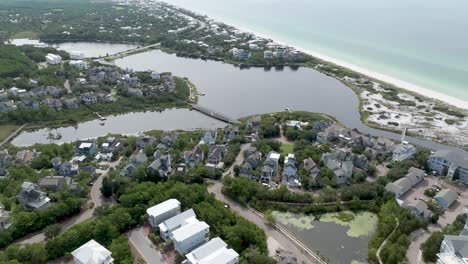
92 253
213 252
275 156
163 211
190 236
171 224
53 59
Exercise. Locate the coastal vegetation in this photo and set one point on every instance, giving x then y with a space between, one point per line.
243 236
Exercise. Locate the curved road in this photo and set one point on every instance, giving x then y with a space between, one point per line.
96 198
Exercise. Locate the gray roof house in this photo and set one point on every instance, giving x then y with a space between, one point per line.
402 185
161 164
54 183
341 170
290 172
71 103
4 218
453 250
418 208
195 156
449 162
230 132
209 136
143 141
5 158
169 137
68 169
32 198
254 123
403 152
217 154
247 171
446 197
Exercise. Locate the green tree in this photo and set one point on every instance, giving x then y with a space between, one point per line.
52 231
106 188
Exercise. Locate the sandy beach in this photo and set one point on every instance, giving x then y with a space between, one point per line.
376 75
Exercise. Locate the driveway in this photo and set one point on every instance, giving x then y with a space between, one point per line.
144 246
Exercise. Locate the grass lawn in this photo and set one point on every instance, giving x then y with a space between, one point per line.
6 130
25 34
286 149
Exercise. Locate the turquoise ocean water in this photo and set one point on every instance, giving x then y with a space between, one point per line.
423 42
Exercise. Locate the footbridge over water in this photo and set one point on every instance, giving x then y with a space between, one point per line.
214 114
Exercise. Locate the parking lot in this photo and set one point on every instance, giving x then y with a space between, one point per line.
455 209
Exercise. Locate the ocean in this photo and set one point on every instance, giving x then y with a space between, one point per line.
420 42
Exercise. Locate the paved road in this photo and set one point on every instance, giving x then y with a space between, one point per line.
144 246
96 198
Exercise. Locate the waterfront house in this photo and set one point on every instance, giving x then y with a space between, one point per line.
402 185
176 222
169 137
88 98
92 253
190 236
76 55
253 124
112 144
403 152
240 54
143 141
230 132
87 148
280 52
268 54
214 251
163 211
448 163
104 97
32 198
134 92
155 76
322 125
52 103
195 156
209 137
445 198
71 103
4 218
53 59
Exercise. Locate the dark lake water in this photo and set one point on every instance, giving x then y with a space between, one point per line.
239 92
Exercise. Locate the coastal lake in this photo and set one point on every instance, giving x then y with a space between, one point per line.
240 92
90 49
128 124
345 232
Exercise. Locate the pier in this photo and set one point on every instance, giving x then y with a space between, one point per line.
214 114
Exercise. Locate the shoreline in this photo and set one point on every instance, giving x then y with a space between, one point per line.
400 84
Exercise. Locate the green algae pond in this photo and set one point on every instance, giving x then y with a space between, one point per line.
341 238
